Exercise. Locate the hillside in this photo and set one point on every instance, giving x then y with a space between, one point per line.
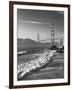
28 43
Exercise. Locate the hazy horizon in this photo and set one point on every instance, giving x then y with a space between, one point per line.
32 22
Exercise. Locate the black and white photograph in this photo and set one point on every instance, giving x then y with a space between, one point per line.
40 44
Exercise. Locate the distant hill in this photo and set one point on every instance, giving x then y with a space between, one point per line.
26 43
29 43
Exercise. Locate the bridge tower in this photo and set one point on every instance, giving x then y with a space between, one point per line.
61 42
52 34
38 37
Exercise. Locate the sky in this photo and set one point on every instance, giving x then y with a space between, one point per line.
31 22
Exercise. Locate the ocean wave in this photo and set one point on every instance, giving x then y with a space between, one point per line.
25 68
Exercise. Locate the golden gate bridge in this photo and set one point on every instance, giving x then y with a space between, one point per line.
52 39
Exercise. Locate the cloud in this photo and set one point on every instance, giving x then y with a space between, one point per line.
34 22
61 12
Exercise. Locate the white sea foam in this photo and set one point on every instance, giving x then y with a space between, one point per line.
34 64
